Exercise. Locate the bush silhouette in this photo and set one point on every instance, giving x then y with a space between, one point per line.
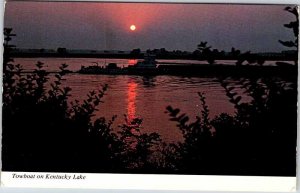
294 25
43 132
259 139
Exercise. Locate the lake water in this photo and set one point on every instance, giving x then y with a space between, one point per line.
138 96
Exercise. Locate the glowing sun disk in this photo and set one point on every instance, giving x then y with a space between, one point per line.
132 27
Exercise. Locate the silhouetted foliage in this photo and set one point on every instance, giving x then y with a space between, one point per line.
251 59
260 139
207 53
7 48
196 154
234 52
42 131
294 25
138 146
62 51
135 52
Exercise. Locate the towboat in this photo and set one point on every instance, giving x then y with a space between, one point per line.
111 68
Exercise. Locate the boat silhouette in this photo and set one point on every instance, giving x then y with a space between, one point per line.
147 66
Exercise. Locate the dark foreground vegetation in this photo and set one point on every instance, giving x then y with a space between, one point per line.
43 132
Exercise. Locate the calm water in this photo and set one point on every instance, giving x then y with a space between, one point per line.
75 63
137 96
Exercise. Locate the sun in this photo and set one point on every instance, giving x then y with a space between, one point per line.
132 27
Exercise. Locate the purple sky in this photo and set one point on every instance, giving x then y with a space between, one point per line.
171 26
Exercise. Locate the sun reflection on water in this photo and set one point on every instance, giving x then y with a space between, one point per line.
131 100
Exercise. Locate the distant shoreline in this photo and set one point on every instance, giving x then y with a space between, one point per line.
141 56
250 71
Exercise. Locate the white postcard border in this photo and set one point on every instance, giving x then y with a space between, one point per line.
148 182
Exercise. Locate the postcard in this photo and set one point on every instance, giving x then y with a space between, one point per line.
161 96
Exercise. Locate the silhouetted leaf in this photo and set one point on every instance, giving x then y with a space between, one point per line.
287 43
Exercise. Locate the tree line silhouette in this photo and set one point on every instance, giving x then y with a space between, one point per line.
43 132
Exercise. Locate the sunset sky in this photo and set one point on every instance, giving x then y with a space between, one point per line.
172 26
